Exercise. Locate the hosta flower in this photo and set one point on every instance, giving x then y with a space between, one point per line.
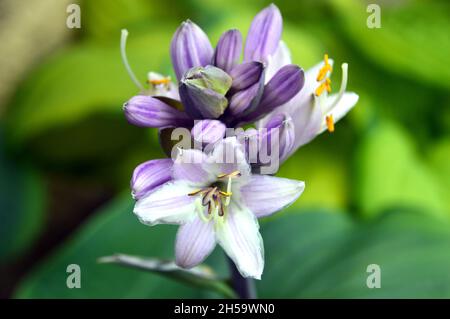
215 199
313 110
212 83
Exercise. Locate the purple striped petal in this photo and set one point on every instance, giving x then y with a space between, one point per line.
195 241
265 195
147 111
284 85
281 127
190 47
149 175
242 100
246 74
208 131
228 50
264 34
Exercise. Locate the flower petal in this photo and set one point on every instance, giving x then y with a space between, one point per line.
243 100
208 131
190 47
169 204
149 175
283 86
264 34
189 166
240 238
147 111
345 104
265 195
281 128
246 74
228 156
228 50
276 61
195 241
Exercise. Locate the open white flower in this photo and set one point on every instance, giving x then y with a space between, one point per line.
313 110
216 199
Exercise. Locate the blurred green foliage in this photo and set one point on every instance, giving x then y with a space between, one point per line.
391 153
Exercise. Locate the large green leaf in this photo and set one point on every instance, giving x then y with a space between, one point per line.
22 200
313 254
113 230
412 40
316 255
389 172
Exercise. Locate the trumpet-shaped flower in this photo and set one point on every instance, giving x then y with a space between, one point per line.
215 199
313 110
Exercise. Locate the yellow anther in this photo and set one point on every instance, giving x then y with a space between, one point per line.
195 192
226 194
325 85
328 85
330 123
324 69
232 174
159 81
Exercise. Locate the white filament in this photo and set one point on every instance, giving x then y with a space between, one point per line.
344 67
123 44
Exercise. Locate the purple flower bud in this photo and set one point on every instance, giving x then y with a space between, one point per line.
190 47
246 74
228 50
264 34
241 101
147 111
286 133
283 86
149 175
202 91
208 131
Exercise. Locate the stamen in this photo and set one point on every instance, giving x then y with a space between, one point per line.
232 174
330 123
200 191
123 44
228 199
159 81
208 196
200 211
226 194
344 67
324 69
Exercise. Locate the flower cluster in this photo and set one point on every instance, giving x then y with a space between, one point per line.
215 194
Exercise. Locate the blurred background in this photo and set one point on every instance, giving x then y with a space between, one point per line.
378 188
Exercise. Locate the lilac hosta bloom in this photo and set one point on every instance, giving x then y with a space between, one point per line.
213 84
313 110
215 199
208 131
148 111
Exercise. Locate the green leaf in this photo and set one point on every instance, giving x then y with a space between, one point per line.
113 230
22 200
322 255
412 40
389 173
439 156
